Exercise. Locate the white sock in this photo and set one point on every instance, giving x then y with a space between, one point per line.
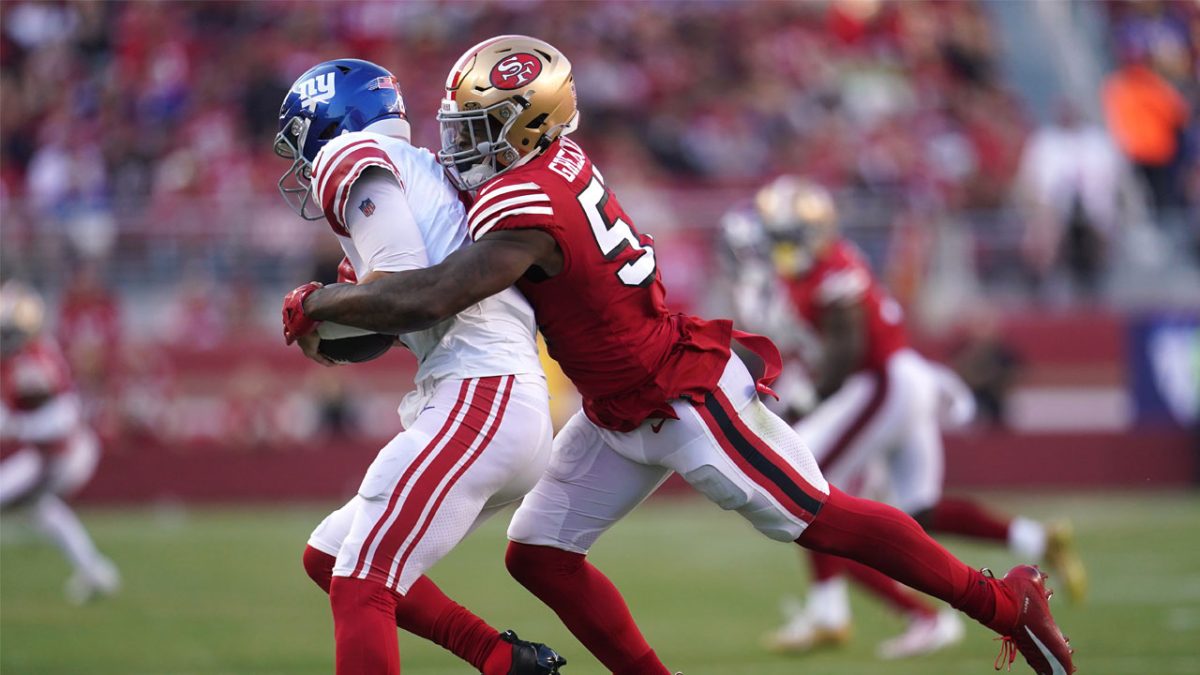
59 522
1027 538
829 603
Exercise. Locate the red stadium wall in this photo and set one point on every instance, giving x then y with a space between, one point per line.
223 463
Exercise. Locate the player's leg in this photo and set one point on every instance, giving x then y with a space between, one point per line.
751 461
482 441
917 472
20 475
849 434
425 611
585 491
71 469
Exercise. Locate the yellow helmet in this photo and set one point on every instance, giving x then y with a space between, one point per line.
21 315
800 219
507 99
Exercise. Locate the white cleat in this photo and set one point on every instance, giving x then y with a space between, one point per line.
924 635
101 579
801 634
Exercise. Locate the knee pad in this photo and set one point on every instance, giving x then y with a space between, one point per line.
764 515
714 485
771 520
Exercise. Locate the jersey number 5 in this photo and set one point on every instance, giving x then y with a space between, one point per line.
614 237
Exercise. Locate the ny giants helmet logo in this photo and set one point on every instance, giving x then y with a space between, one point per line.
314 90
515 71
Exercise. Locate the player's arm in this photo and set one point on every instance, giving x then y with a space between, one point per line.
844 339
411 300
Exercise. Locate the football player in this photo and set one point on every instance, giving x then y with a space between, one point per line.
876 431
51 452
477 426
661 391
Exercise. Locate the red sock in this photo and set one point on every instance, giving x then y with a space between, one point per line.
825 566
891 592
426 612
587 603
966 518
364 627
886 539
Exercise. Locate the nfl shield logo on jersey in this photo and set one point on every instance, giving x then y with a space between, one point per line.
367 207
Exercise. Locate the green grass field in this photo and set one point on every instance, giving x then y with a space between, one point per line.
221 591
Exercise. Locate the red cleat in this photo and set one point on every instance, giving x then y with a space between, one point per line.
1034 635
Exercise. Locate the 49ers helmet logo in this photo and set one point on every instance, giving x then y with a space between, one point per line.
515 71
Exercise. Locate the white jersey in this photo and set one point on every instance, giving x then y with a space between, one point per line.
404 214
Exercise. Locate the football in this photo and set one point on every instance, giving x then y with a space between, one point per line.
351 345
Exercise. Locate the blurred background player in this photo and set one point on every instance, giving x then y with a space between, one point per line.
49 452
479 386
875 428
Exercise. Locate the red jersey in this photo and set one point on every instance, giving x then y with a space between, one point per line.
34 374
603 315
841 276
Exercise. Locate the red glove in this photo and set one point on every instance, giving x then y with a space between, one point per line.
295 323
346 273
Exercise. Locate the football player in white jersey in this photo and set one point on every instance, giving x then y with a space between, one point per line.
53 451
477 427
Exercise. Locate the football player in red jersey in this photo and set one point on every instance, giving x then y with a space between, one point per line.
661 391
53 452
876 431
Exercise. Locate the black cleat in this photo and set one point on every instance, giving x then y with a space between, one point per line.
531 658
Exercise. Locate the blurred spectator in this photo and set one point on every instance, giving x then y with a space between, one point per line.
1148 117
987 364
137 136
1069 183
89 329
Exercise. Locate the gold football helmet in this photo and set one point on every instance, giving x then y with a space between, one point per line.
507 99
21 315
800 219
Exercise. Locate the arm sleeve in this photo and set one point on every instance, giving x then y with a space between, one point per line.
382 226
844 286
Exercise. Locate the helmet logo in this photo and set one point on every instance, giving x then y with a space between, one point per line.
316 89
515 71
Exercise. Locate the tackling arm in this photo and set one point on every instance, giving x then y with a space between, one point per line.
402 302
844 338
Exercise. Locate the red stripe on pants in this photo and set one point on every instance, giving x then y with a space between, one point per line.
437 504
860 422
763 448
462 399
425 485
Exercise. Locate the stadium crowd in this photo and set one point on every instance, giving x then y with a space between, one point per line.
154 144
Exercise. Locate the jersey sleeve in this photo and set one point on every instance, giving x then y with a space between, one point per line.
510 205
843 285
338 166
382 227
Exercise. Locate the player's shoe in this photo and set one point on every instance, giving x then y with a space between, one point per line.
1063 558
1034 634
101 578
924 635
531 658
801 634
